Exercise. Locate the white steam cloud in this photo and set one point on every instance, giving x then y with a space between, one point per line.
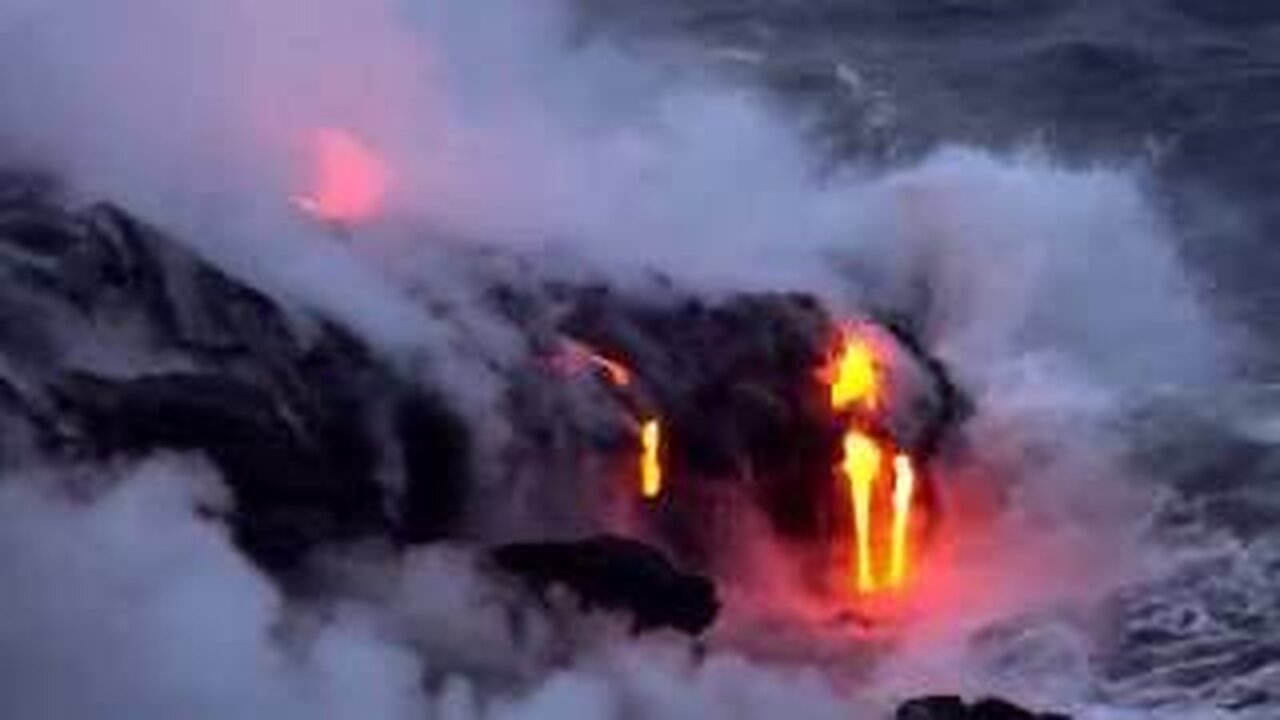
1054 293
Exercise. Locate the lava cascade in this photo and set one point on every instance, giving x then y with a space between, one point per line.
880 480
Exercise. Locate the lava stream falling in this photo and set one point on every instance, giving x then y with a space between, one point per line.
855 387
861 467
576 356
904 488
650 459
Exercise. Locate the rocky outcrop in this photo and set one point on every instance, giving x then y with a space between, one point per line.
296 484
736 382
952 707
117 341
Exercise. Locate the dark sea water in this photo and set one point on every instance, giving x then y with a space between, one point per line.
1187 92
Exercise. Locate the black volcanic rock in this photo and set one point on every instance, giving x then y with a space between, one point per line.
736 384
436 450
293 491
287 405
935 707
951 707
618 574
116 340
999 709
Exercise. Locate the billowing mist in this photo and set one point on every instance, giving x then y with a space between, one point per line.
1054 292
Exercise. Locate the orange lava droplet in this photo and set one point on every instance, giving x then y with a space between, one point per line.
861 466
855 377
617 372
650 459
348 182
904 488
576 356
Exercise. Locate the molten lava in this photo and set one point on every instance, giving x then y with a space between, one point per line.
861 467
577 356
650 459
904 489
855 384
618 373
348 181
854 376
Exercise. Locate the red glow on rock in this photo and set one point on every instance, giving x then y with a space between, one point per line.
348 180
575 357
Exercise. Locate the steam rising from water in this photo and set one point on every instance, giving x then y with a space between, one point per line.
1054 293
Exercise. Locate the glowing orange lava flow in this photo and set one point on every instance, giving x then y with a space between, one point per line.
861 467
904 488
576 356
650 460
618 373
854 377
855 383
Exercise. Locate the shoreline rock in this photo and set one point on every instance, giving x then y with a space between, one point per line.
953 707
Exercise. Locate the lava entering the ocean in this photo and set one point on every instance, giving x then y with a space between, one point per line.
577 356
861 467
881 560
650 459
904 489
